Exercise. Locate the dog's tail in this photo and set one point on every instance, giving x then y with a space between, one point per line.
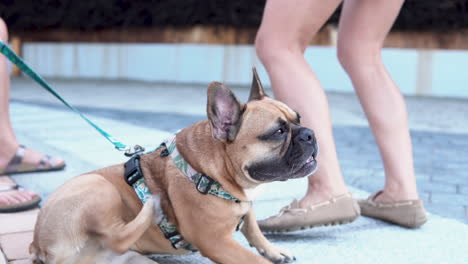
123 235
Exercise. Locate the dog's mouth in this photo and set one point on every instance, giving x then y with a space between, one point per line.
310 159
281 171
309 167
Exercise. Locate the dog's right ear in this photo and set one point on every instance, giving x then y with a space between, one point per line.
224 112
256 90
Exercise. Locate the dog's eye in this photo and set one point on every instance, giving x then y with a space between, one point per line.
279 132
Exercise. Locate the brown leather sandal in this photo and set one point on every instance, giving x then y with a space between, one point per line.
17 207
17 165
406 213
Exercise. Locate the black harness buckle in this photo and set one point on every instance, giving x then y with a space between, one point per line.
204 184
132 170
175 238
171 234
164 152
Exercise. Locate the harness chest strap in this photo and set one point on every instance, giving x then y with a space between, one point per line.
203 183
134 177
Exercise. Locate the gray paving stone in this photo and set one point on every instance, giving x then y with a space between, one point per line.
440 187
422 176
457 212
370 184
452 176
462 189
449 199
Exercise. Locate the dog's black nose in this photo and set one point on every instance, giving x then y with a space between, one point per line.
306 135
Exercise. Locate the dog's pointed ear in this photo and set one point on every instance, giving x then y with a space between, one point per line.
256 90
224 112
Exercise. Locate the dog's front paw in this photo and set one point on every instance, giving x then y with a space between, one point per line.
277 255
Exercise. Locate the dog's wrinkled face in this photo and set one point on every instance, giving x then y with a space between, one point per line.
285 149
264 138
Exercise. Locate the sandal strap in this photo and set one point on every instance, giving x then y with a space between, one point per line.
16 161
8 188
45 162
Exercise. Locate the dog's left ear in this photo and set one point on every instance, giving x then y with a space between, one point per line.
256 90
224 112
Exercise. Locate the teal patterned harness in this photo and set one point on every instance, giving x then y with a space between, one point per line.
168 229
203 183
135 178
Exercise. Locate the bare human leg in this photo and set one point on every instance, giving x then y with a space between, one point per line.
286 30
6 132
7 136
8 195
363 27
359 46
8 140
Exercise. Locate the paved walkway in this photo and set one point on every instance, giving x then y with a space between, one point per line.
145 113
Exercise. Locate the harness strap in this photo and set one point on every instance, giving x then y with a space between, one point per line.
203 183
36 77
134 177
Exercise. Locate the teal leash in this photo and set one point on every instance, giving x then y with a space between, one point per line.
5 50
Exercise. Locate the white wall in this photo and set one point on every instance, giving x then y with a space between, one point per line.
417 72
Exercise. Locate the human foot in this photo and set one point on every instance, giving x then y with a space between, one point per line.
388 195
29 160
340 209
13 198
318 194
408 213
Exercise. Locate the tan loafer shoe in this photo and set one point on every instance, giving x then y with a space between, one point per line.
406 213
340 209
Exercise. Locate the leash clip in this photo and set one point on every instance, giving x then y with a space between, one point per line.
137 149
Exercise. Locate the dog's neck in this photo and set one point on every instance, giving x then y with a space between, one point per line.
214 162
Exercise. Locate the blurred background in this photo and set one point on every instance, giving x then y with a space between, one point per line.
194 41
